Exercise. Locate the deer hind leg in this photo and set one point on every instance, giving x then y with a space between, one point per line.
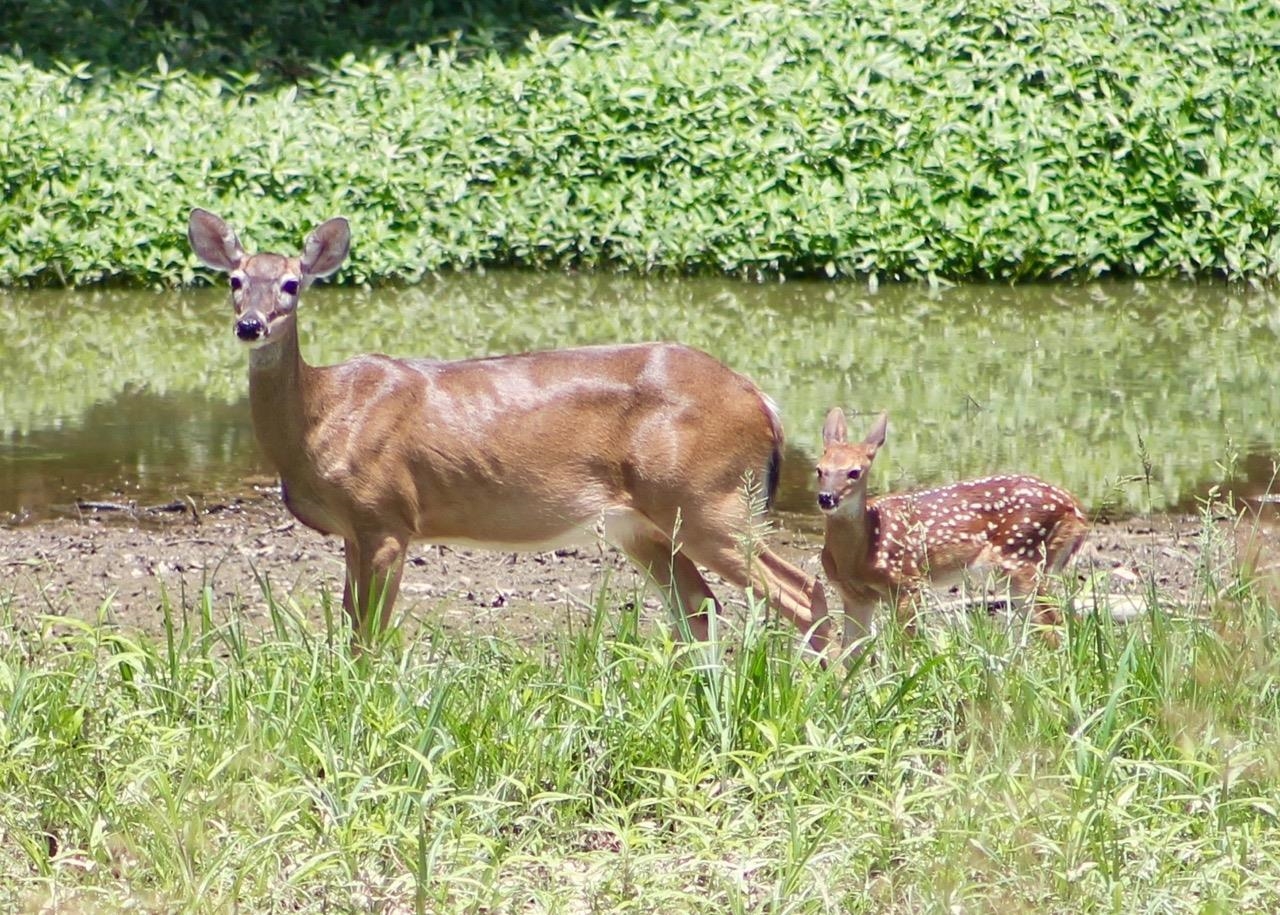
906 604
1063 542
1028 580
797 596
374 567
1058 548
674 573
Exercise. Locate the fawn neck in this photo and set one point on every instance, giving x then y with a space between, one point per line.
851 532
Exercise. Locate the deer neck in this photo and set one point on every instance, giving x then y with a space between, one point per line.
849 537
278 400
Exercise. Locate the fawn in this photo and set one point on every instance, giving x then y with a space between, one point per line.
891 546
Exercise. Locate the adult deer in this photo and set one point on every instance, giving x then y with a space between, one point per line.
652 442
892 546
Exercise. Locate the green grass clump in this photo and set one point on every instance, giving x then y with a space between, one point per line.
896 138
1134 769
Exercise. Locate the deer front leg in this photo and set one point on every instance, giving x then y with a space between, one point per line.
859 609
374 567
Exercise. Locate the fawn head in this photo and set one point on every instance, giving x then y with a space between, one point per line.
265 287
842 470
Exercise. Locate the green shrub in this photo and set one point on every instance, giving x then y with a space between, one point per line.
899 138
281 40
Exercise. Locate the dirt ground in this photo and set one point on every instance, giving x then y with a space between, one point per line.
122 562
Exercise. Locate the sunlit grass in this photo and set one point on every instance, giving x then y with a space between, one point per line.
971 769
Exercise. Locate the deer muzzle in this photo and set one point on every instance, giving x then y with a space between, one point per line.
251 329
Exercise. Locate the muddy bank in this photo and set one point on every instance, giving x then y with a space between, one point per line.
123 562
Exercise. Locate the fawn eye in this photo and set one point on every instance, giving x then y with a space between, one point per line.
855 473
290 287
236 283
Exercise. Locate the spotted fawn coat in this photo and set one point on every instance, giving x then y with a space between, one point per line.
890 547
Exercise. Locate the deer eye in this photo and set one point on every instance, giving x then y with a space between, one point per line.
855 473
236 283
290 287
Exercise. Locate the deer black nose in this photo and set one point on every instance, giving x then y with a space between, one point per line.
249 329
827 500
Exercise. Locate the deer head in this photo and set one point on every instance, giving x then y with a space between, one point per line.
265 287
842 470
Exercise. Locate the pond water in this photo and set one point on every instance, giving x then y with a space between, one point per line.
1138 396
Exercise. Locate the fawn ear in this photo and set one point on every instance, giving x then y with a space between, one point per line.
326 248
834 430
213 241
875 438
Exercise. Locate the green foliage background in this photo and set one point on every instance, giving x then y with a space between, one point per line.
900 138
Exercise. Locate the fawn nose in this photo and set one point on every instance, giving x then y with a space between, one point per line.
827 500
250 329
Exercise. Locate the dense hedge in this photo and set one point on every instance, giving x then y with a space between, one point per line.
902 138
279 39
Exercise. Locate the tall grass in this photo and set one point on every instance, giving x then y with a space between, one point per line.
1134 769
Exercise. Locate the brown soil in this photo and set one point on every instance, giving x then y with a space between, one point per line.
122 564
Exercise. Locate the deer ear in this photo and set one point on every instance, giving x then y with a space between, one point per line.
213 241
326 248
875 438
835 431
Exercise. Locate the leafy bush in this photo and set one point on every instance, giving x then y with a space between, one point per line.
278 39
900 138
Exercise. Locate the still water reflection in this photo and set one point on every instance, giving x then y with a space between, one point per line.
1138 396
